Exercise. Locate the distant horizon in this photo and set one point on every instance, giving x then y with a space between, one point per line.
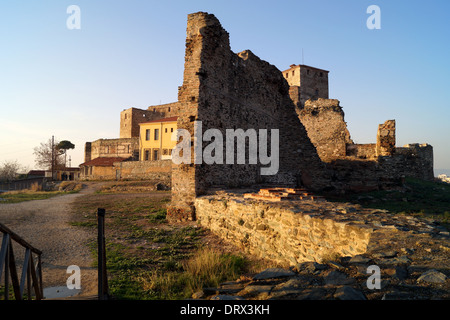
441 171
73 83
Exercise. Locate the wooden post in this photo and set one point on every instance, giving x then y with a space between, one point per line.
102 275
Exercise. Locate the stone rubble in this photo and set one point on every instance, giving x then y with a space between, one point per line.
314 281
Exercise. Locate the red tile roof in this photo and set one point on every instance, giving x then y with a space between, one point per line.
171 119
103 161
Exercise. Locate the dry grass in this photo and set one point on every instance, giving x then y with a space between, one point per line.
206 268
209 268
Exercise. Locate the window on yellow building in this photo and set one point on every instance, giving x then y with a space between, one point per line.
155 154
147 134
156 134
146 155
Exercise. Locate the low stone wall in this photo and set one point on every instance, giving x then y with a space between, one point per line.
285 233
361 151
415 160
160 170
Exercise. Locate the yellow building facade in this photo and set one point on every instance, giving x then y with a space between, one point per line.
155 141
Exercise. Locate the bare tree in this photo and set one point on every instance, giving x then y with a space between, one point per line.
9 170
48 156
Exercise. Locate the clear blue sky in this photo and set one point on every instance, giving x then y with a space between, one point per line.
73 83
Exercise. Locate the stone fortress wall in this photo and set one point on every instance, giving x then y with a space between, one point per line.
225 90
228 90
362 167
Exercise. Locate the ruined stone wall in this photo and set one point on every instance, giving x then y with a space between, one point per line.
386 138
324 122
159 170
359 175
362 151
384 172
123 148
285 234
225 90
294 93
362 167
415 160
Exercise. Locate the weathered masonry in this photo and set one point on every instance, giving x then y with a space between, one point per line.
225 90
286 233
361 167
116 148
116 168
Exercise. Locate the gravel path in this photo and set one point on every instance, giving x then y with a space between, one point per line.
45 225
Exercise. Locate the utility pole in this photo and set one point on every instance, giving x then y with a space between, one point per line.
53 156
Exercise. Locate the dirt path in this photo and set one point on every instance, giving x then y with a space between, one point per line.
45 225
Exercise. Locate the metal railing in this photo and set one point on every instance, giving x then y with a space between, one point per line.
31 274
